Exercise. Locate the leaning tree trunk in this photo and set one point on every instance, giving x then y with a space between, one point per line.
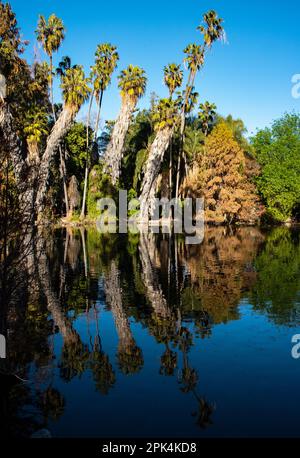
129 354
153 165
60 129
113 154
24 174
12 143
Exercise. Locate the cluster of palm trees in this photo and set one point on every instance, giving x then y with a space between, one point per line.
169 114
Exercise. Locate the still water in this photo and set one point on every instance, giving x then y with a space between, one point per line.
146 336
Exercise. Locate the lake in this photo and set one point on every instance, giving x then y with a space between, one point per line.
128 336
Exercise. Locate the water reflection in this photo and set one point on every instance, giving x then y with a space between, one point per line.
160 295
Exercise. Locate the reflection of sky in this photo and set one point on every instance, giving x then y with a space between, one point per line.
245 368
249 78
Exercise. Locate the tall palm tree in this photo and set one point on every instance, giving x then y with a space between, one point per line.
105 64
165 119
132 83
212 31
50 34
61 70
189 104
173 77
212 28
75 91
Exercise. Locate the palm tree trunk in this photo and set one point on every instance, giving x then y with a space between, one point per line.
60 129
51 87
153 165
189 87
171 175
113 293
113 154
86 173
154 293
63 172
98 116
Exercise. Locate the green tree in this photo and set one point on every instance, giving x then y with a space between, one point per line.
277 150
105 64
50 34
75 91
173 77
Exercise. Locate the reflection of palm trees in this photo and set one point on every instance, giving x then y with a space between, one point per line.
129 354
100 365
164 321
168 362
74 353
189 379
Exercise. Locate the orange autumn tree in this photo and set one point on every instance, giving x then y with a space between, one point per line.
229 193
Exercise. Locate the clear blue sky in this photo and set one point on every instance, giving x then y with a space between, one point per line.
249 77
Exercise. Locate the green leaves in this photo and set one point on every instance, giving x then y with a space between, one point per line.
50 34
278 152
132 82
212 28
166 114
75 87
207 115
195 55
105 64
173 77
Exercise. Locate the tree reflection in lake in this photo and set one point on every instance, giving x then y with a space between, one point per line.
158 296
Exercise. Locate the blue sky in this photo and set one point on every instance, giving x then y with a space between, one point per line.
249 77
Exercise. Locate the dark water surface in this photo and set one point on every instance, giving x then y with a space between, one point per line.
146 336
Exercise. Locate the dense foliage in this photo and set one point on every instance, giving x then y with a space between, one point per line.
277 150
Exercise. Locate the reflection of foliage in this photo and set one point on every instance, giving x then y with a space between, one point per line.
130 359
73 359
52 403
163 328
103 373
168 362
278 280
205 411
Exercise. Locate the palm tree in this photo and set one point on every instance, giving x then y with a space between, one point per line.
61 70
189 104
212 28
195 56
173 77
50 34
63 66
165 118
105 64
207 116
75 91
132 83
